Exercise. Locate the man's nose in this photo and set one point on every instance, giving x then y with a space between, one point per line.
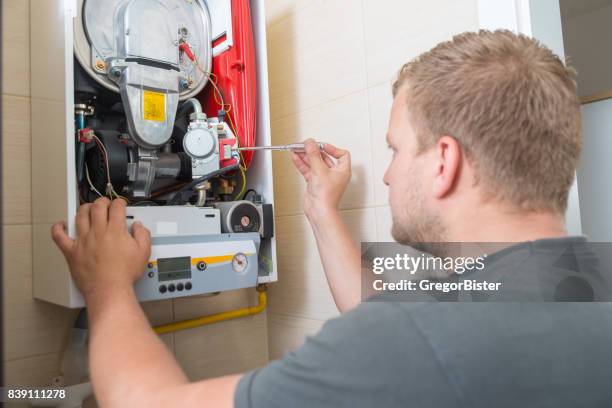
386 177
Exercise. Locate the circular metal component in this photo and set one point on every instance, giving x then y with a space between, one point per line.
201 266
199 143
240 262
245 221
95 40
244 217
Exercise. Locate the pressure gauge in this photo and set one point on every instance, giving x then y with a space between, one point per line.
239 262
199 143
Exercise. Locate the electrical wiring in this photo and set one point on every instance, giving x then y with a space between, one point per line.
93 188
110 190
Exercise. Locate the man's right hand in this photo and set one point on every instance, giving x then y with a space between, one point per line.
327 173
326 178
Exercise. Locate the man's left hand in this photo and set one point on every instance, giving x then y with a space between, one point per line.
104 256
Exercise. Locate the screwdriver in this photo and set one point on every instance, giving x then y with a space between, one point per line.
293 147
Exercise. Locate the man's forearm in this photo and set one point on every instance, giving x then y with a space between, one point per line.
127 359
340 257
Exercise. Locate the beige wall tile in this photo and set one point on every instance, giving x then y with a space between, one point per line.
222 348
315 55
397 31
302 289
16 47
49 187
230 347
277 9
16 160
380 100
35 371
197 306
343 122
287 332
48 20
31 327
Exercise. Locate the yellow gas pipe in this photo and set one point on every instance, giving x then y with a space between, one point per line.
217 317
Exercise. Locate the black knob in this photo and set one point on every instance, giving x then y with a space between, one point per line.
201 265
151 274
179 286
171 287
188 286
162 289
150 265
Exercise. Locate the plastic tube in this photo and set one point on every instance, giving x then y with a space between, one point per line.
80 124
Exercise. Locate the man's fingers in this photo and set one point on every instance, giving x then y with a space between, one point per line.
61 238
301 165
328 160
341 155
82 220
116 215
99 214
314 155
142 237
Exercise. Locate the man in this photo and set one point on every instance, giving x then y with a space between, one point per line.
485 133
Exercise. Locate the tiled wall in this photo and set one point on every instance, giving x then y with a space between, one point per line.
36 332
331 67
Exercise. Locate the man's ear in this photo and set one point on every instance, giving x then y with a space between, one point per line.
448 158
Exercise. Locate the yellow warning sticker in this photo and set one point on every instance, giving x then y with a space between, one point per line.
154 106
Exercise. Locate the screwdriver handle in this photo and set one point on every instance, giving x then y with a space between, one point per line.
300 148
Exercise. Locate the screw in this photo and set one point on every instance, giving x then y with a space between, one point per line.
100 64
184 84
116 72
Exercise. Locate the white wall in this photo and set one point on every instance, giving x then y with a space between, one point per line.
595 170
587 34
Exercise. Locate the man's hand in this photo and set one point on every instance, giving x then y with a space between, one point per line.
105 260
327 179
104 256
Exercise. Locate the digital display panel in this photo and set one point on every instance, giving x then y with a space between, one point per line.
174 268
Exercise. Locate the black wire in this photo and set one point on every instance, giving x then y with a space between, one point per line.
181 196
250 190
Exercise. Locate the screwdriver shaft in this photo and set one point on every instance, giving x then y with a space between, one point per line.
294 147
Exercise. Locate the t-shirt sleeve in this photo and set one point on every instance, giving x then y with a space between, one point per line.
373 356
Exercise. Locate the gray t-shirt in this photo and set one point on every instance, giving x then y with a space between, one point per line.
448 354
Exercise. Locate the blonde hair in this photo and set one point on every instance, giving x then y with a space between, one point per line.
512 105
